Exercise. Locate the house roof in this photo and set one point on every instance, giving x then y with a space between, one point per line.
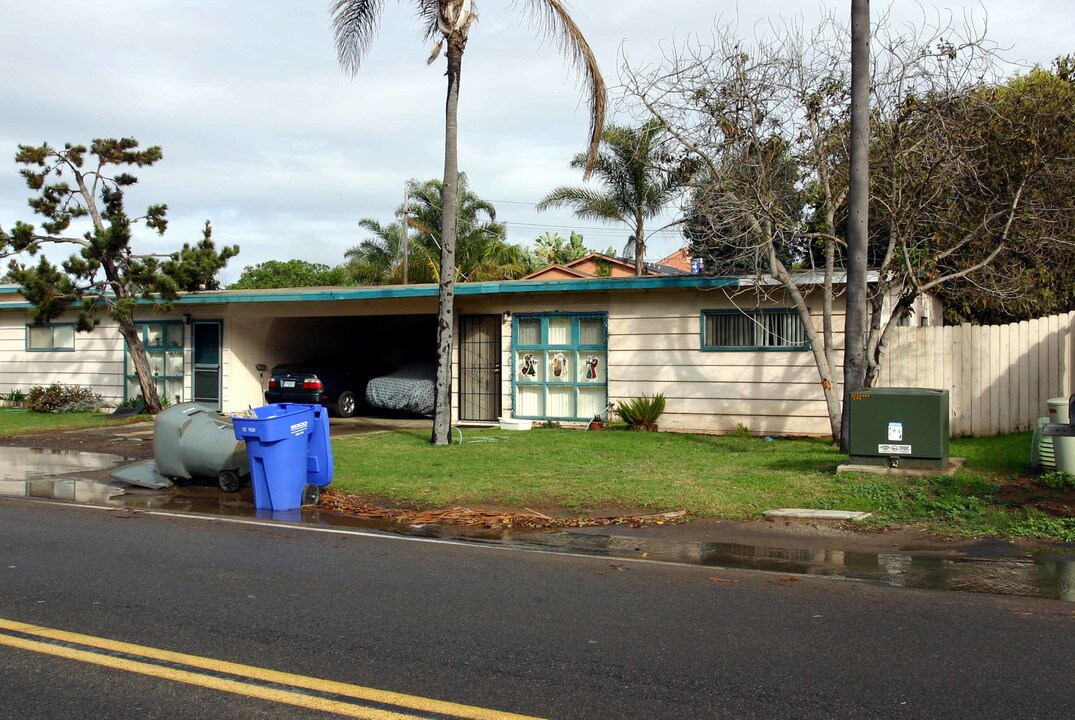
585 266
680 260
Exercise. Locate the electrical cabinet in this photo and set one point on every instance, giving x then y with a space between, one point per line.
899 427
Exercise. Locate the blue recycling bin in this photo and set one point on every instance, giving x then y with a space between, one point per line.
278 443
319 451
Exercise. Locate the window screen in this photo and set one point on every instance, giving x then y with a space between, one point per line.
779 329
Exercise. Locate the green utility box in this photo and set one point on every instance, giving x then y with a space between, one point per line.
899 427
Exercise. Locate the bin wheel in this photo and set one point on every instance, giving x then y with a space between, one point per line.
228 481
346 405
310 495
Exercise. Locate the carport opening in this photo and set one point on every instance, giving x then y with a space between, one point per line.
370 347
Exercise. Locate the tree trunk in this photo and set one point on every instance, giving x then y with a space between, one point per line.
442 418
141 366
830 388
858 206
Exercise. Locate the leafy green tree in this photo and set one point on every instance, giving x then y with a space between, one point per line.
290 274
104 271
1022 133
635 183
553 249
448 22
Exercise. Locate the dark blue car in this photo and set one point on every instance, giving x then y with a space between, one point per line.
318 381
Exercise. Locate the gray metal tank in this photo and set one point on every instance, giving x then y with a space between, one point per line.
192 441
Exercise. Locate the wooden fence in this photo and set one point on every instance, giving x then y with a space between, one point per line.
999 378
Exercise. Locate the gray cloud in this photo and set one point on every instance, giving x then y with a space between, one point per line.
264 134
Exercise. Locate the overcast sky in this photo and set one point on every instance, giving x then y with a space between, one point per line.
264 134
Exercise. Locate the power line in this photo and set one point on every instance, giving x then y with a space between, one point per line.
512 202
598 229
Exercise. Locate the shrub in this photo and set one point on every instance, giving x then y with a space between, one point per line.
16 396
1058 480
741 431
641 413
57 398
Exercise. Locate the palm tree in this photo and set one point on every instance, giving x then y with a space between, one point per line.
379 259
634 186
482 251
449 21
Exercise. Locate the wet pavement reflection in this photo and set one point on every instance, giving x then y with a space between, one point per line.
1044 573
997 567
38 473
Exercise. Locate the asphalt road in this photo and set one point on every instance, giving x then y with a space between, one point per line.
537 634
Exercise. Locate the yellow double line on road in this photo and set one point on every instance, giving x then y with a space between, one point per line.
95 650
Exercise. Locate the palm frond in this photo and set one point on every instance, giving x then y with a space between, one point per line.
587 203
354 24
428 12
556 23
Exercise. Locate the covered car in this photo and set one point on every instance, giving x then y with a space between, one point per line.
409 389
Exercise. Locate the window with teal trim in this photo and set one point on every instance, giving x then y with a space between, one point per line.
759 329
60 336
560 366
164 348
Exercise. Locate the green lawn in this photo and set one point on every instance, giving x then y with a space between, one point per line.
728 476
15 421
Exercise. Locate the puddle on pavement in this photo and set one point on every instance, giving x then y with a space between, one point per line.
1044 573
37 472
998 568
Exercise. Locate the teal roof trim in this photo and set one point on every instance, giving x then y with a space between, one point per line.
509 287
383 292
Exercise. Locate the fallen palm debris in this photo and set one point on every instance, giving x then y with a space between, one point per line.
527 520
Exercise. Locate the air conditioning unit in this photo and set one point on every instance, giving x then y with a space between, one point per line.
1041 448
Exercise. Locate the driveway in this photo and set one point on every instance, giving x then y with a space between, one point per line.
135 441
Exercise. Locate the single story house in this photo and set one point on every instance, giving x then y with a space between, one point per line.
545 349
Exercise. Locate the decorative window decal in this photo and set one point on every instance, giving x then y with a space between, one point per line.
559 367
528 369
591 367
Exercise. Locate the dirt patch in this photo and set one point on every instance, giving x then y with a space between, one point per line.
493 518
1028 491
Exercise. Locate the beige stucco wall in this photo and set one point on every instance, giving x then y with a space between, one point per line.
97 360
654 345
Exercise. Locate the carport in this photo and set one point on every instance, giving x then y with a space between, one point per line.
383 328
374 337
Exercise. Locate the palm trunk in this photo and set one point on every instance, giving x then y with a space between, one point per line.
442 418
640 246
858 206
